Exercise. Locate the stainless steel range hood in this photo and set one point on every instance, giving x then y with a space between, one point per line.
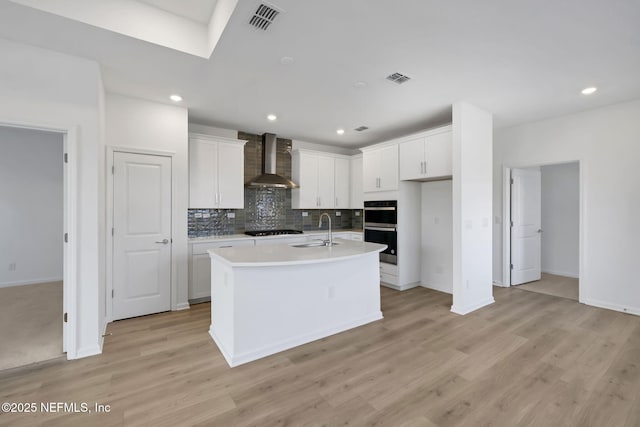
269 178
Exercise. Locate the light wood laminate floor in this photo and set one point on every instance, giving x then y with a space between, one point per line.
551 284
527 360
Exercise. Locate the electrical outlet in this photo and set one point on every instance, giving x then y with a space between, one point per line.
206 215
305 213
12 266
197 215
357 213
338 213
231 215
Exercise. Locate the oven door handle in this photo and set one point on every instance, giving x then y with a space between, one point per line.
380 228
374 208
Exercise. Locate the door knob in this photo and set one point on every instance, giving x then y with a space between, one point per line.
539 230
164 241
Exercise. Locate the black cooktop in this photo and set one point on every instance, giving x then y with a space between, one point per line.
271 232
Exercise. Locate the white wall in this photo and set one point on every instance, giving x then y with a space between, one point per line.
437 239
295 145
136 123
31 220
607 143
211 130
52 90
560 218
472 210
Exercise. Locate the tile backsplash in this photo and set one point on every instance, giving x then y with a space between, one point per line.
265 208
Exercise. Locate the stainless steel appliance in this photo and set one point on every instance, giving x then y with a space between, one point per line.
268 177
380 226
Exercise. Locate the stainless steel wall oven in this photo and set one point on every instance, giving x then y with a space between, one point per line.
380 226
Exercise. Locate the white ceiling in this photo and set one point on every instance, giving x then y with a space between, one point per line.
199 11
521 60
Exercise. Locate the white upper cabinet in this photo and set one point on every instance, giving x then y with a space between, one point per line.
380 168
216 172
323 180
427 157
326 183
342 183
356 196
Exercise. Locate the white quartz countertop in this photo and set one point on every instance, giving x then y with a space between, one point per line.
229 237
288 254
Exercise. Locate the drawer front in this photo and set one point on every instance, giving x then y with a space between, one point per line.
358 237
389 268
389 278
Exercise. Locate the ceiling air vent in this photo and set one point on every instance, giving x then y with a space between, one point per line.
361 128
398 78
264 16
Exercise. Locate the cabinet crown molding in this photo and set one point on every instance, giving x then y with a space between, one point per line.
215 138
421 134
320 153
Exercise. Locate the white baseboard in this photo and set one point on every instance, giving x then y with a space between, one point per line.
400 287
182 306
29 282
561 273
468 309
498 283
104 332
438 288
249 356
93 350
609 306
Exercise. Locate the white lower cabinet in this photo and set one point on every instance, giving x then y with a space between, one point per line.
389 273
200 266
282 240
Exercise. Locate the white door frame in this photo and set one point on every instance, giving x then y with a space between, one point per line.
109 223
506 222
70 289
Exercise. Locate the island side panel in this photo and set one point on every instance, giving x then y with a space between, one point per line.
222 308
280 307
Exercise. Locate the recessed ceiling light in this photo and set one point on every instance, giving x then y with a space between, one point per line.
340 131
286 60
272 117
175 98
360 85
589 90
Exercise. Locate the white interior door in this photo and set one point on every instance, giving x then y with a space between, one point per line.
525 228
142 234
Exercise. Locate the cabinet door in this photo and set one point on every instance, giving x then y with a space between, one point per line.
356 195
412 159
305 174
230 176
341 179
439 155
370 170
326 179
203 177
388 168
200 283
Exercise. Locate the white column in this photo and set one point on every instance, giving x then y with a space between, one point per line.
472 208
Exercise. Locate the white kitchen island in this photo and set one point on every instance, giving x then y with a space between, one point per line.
266 299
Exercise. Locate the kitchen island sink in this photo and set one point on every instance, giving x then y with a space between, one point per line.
314 244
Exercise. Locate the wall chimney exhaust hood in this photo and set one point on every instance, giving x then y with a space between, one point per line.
269 178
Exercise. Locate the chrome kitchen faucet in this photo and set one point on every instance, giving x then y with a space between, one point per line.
330 241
